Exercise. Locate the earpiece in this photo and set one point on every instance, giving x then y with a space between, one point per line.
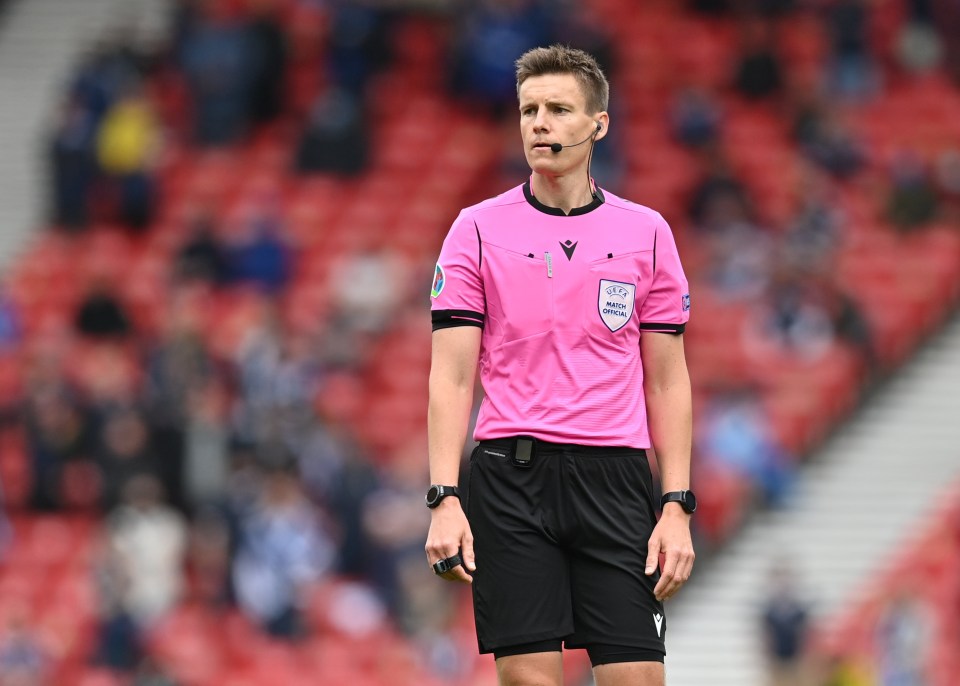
599 127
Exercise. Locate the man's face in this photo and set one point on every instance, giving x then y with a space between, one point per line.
553 109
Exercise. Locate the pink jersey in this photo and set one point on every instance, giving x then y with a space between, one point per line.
562 301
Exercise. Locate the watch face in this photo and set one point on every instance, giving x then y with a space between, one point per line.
433 494
689 501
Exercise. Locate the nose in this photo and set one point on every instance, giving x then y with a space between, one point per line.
540 121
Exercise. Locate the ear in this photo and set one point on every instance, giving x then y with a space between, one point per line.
603 122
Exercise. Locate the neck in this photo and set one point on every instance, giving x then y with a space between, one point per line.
566 192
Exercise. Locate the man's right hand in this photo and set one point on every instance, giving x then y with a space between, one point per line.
449 534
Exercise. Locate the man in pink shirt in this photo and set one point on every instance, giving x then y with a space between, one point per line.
573 303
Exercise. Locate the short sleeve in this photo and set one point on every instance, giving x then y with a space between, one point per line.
667 305
457 297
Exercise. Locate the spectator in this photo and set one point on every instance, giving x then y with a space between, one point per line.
282 552
852 72
178 362
119 640
278 378
368 287
59 434
101 315
792 320
6 530
947 14
694 117
786 625
735 431
913 200
335 138
148 539
206 444
150 673
494 33
127 146
395 528
259 255
719 198
11 328
358 45
947 178
827 141
759 73
903 635
73 164
814 232
125 452
214 54
203 257
850 324
918 47
23 659
268 48
339 475
208 557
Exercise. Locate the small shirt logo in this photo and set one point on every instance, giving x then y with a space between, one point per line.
615 303
568 248
685 300
439 279
658 620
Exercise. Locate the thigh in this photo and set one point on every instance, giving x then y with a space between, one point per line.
613 600
629 674
544 669
521 587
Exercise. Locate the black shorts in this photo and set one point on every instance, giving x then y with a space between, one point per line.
561 547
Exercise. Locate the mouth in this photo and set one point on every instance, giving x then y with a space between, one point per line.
542 146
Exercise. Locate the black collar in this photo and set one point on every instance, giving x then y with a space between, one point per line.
556 211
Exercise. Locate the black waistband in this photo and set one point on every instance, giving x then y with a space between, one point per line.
548 447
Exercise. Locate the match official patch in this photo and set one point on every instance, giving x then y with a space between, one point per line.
439 279
615 303
686 301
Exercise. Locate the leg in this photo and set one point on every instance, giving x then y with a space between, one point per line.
629 674
531 669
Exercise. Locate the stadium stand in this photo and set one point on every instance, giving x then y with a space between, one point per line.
433 153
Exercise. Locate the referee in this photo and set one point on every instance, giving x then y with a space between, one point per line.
573 303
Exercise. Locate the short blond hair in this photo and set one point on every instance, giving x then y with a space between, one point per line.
562 59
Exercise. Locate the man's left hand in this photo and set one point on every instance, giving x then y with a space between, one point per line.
671 536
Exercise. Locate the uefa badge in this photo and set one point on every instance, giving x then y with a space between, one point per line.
439 279
615 303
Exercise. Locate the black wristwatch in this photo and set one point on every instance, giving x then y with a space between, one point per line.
687 500
437 493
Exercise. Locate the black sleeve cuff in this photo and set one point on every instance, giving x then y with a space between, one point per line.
447 319
663 328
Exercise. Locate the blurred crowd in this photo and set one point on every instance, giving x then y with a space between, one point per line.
223 478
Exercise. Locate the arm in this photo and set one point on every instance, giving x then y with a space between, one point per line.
669 416
452 373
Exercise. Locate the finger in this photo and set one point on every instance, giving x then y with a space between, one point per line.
653 555
469 559
685 568
682 573
458 574
666 583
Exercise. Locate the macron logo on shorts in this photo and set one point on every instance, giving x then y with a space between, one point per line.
658 620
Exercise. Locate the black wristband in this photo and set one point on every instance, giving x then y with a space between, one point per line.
446 564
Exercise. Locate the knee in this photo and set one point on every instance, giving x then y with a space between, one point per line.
519 673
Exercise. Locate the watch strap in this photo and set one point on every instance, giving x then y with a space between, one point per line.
441 493
676 497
